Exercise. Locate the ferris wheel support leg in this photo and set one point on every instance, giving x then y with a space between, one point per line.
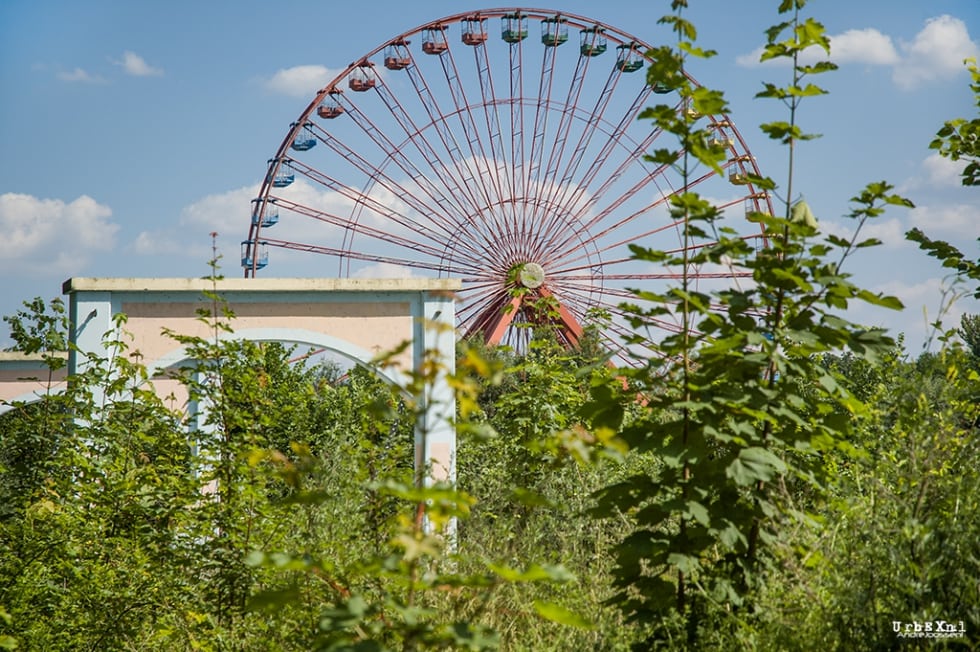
500 320
571 330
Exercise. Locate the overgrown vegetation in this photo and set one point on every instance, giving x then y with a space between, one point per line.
773 477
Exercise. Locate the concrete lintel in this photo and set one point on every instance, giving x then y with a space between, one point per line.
15 357
254 285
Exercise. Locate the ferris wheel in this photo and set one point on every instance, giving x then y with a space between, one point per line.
502 148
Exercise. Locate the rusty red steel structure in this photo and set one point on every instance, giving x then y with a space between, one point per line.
515 164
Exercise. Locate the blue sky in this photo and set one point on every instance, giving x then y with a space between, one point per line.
130 131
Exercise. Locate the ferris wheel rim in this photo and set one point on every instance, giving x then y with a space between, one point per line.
344 253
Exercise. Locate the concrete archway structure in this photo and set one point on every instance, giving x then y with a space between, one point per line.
355 318
24 378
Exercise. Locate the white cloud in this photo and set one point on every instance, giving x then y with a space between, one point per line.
925 302
957 222
226 213
936 52
301 81
229 215
863 46
49 237
157 243
136 66
891 232
811 55
81 76
751 59
384 270
942 172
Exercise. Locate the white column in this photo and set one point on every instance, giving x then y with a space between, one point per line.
90 315
435 432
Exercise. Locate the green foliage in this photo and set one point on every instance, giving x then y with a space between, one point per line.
30 433
900 542
959 139
39 327
771 477
969 331
737 405
6 642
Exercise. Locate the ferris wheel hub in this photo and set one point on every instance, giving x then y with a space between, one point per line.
531 275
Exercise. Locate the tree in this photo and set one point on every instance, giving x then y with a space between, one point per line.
728 423
969 331
959 139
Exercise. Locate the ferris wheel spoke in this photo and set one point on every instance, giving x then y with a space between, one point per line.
377 235
572 196
610 297
595 245
592 121
567 116
584 205
490 183
517 120
614 136
614 176
567 269
619 245
454 191
443 237
435 218
618 202
603 214
487 170
452 204
541 112
617 323
477 306
631 298
457 184
617 135
477 287
487 315
409 263
584 249
491 114
376 208
466 178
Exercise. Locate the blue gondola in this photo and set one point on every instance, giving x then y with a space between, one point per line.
304 139
268 218
259 250
283 176
283 180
